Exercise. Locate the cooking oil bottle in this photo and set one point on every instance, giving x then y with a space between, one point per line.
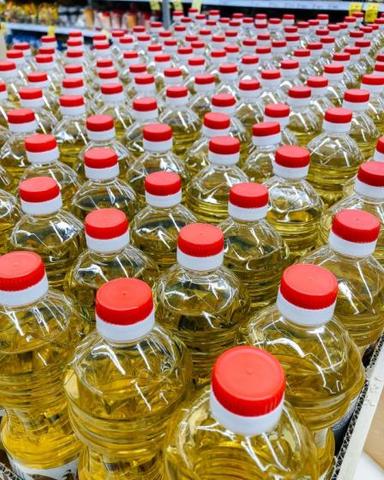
295 207
108 255
280 112
228 79
270 81
9 215
70 131
321 362
114 104
207 192
9 75
335 156
254 251
103 188
157 143
250 109
40 329
214 124
319 101
155 228
242 421
374 84
40 80
184 122
43 155
349 255
46 228
140 374
290 69
201 302
334 72
32 98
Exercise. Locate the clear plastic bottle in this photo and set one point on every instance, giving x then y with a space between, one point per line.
322 363
70 132
47 64
290 69
271 92
363 130
41 329
134 70
366 60
196 66
357 67
303 122
163 62
264 53
279 51
172 77
349 255
295 207
201 302
374 84
140 375
155 228
103 188
228 79
250 109
266 140
9 215
303 56
351 79
9 75
243 422
334 73
51 101
248 66
184 122
335 156
319 101
32 98
280 112
108 255
46 228
216 58
254 251
207 192
157 156
129 57
77 86
114 104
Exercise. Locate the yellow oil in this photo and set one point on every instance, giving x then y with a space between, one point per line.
196 157
155 230
207 192
71 138
259 165
250 113
237 130
13 159
185 126
57 238
133 140
46 121
201 104
365 134
204 310
120 398
305 125
122 117
9 215
198 447
257 255
376 111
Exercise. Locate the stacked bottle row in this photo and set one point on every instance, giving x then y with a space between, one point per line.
154 193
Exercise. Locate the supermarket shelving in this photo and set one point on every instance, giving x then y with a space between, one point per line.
32 27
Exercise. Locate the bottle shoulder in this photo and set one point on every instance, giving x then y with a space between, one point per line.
331 146
284 194
62 225
160 218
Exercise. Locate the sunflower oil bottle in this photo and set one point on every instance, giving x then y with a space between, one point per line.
254 251
199 300
374 84
140 375
228 79
9 215
280 112
270 81
322 364
248 65
351 79
264 53
214 124
108 255
207 192
155 228
32 98
349 255
9 75
295 206
334 72
243 405
115 105
40 80
41 329
319 103
5 107
335 156
46 228
103 187
250 109
290 74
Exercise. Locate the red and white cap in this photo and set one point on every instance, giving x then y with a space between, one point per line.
249 63
153 50
205 84
334 72
315 48
370 180
337 120
72 105
144 109
266 134
364 45
218 41
249 89
198 48
248 45
354 52
38 79
136 69
303 56
228 72
216 124
107 75
49 41
8 70
378 156
307 294
112 93
40 196
157 138
279 47
248 202
104 63
200 247
184 54
21 120
75 45
170 46
75 57
247 391
3 91
16 56
176 96
293 41
270 79
162 62
102 49
354 233
73 86
356 100
44 63
101 163
180 31
116 34
41 149
138 30
277 112
303 28
264 53
350 20
23 279
130 57
106 230
373 83
74 70
196 65
124 310
25 47
264 43
299 96
291 162
100 128
224 103
224 150
145 84
31 97
173 76
342 57
156 27
218 57
289 68
163 189
323 18
318 85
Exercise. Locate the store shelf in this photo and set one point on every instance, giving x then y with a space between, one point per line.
31 27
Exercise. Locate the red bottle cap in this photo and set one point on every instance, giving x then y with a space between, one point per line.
144 104
37 77
299 92
162 183
38 189
356 226
356 96
100 123
204 79
177 92
372 79
157 132
380 145
270 74
100 157
71 101
372 173
216 121
249 85
289 64
317 82
265 129
224 145
39 143
20 270
106 223
30 93
249 195
200 240
338 115
277 110
291 156
20 115
111 88
223 100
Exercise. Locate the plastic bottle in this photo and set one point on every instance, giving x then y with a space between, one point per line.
214 124
265 58
5 107
196 66
349 255
200 301
32 98
51 101
47 64
250 109
9 214
41 330
334 73
216 58
304 57
207 192
155 228
295 207
140 374
374 84
319 101
46 228
289 69
115 105
134 70
351 79
270 81
103 187
254 251
244 405
280 112
335 156
248 65
144 111
9 75
322 363
228 79
172 77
